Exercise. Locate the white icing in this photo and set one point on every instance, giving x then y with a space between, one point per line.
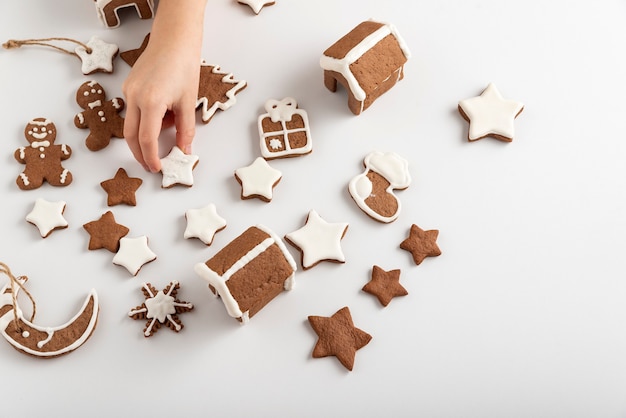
64 176
160 307
258 179
203 223
47 216
64 149
209 111
99 59
39 144
219 282
393 168
133 254
491 114
342 65
319 240
24 178
177 168
40 122
22 152
282 111
81 118
95 103
116 103
7 319
257 5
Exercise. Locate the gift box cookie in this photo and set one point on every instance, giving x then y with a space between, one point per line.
249 272
368 61
284 130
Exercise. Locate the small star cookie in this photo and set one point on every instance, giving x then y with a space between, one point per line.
203 223
421 244
105 233
257 5
121 189
385 285
47 216
97 57
258 180
337 336
318 240
133 254
490 115
177 168
160 307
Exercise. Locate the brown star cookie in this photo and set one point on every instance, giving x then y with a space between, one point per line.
385 285
421 244
121 189
338 337
105 233
131 56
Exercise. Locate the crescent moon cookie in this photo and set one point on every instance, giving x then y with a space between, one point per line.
160 307
372 190
42 157
490 115
284 130
45 342
318 240
47 216
258 180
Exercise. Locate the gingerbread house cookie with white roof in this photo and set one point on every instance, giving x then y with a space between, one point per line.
368 61
108 10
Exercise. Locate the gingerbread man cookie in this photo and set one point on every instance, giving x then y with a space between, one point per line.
100 116
42 158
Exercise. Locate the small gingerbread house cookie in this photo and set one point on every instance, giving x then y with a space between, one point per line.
108 10
367 61
249 272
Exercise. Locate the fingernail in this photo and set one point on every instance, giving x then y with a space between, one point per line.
187 149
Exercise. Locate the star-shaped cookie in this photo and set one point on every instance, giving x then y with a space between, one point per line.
257 5
490 115
203 223
421 244
47 216
258 180
177 168
318 240
131 56
385 285
121 188
133 254
216 90
338 337
105 233
97 57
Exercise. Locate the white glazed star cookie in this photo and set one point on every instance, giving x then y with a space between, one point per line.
177 168
258 180
203 223
47 216
257 5
490 115
98 57
318 240
133 254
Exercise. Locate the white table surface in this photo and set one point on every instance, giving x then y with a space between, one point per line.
524 313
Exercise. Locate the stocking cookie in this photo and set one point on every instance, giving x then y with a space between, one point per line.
372 190
100 116
42 157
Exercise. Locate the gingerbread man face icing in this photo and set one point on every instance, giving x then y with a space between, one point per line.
100 116
42 157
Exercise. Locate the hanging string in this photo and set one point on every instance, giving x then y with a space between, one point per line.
17 282
14 43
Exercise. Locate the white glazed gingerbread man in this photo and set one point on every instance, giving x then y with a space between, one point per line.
101 116
42 158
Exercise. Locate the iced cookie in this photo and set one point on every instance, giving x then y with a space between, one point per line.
373 189
42 157
217 90
177 168
258 180
203 223
133 253
256 5
284 130
108 10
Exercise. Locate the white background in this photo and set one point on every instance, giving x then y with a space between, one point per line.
524 313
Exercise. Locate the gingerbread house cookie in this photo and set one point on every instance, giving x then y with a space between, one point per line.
368 61
108 10
249 272
284 129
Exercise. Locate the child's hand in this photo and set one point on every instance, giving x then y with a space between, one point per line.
162 87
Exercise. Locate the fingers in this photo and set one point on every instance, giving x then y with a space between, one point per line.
185 122
131 130
148 137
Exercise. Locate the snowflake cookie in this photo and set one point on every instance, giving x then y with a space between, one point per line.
160 307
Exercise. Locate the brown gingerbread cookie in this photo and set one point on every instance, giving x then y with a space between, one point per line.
42 157
121 188
105 233
108 10
421 244
100 116
385 285
131 56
